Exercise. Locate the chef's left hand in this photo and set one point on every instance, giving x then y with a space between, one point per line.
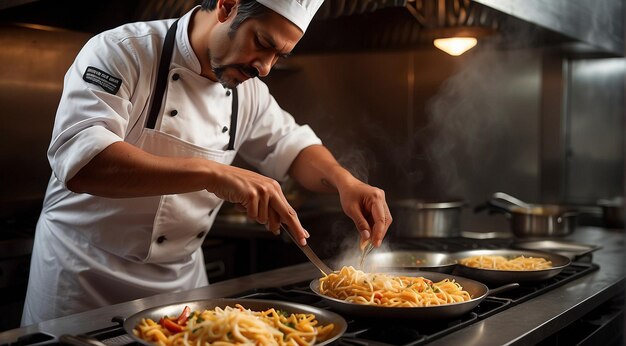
366 206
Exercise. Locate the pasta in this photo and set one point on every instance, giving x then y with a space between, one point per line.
388 290
234 326
519 263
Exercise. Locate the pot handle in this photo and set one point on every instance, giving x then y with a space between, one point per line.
511 200
503 288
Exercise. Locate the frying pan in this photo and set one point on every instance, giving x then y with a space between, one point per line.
477 291
155 313
493 276
410 260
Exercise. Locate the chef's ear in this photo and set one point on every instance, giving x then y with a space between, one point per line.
225 8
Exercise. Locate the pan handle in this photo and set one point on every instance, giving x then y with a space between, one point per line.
503 288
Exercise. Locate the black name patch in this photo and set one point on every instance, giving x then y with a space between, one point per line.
98 77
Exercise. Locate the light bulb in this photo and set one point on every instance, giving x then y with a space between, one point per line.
455 45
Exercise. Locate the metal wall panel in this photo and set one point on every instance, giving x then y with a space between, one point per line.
595 130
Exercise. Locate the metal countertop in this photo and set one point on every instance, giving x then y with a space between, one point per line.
526 323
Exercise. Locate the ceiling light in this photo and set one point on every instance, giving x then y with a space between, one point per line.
455 45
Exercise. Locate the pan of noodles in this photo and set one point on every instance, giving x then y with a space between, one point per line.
235 321
416 295
507 265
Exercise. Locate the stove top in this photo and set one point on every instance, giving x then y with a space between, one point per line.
362 331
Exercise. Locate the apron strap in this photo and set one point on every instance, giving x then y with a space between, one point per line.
233 120
161 85
161 82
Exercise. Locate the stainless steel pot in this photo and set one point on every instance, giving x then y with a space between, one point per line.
535 220
416 218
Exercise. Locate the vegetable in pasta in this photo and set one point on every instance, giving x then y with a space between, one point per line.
234 326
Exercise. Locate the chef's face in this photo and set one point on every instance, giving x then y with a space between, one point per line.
251 49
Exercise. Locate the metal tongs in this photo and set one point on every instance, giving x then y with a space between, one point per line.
309 253
366 247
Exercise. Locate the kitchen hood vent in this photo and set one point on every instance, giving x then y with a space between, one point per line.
593 27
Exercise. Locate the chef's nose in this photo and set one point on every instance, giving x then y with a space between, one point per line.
264 64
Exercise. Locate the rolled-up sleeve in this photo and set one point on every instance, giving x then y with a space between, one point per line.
90 118
275 139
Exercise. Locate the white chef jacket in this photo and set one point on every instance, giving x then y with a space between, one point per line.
92 251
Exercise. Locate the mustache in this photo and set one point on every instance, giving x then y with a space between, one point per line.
248 70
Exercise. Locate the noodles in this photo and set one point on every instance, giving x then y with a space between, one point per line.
234 326
355 286
501 263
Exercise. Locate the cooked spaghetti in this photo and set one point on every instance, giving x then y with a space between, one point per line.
519 263
234 326
388 290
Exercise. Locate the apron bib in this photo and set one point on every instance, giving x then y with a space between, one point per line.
182 220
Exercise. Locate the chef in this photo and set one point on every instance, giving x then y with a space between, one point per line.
150 119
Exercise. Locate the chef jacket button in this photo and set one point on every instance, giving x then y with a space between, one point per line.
175 76
201 234
227 92
224 129
161 239
173 113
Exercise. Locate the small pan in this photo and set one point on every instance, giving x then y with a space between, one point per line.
322 316
477 291
410 260
493 276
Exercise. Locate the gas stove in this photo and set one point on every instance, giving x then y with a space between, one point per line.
362 331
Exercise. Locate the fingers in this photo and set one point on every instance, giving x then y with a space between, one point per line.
382 219
273 223
361 224
288 216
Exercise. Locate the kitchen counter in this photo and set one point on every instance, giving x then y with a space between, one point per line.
527 323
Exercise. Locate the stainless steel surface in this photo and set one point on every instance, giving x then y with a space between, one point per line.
324 317
427 219
79 340
597 25
477 291
493 276
310 254
414 260
595 125
567 249
526 323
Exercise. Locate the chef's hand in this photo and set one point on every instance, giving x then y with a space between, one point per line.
366 206
262 198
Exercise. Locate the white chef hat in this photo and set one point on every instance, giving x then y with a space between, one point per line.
299 12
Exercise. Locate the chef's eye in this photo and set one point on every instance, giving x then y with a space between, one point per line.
258 44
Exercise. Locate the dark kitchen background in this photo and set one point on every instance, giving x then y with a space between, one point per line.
536 110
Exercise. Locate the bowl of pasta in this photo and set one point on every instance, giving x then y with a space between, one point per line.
416 295
507 265
235 322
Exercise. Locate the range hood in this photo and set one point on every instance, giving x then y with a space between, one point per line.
584 26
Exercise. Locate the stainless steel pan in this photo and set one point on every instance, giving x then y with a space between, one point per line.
477 291
491 276
410 260
155 313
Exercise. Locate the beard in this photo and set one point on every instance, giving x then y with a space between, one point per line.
231 82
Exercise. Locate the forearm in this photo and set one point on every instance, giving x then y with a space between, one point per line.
317 170
122 170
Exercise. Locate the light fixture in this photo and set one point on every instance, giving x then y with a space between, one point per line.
455 46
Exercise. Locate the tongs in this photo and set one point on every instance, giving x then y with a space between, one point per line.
309 253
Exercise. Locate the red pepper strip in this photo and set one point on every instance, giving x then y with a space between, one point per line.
182 319
171 325
378 295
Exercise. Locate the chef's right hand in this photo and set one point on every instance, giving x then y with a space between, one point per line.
262 198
